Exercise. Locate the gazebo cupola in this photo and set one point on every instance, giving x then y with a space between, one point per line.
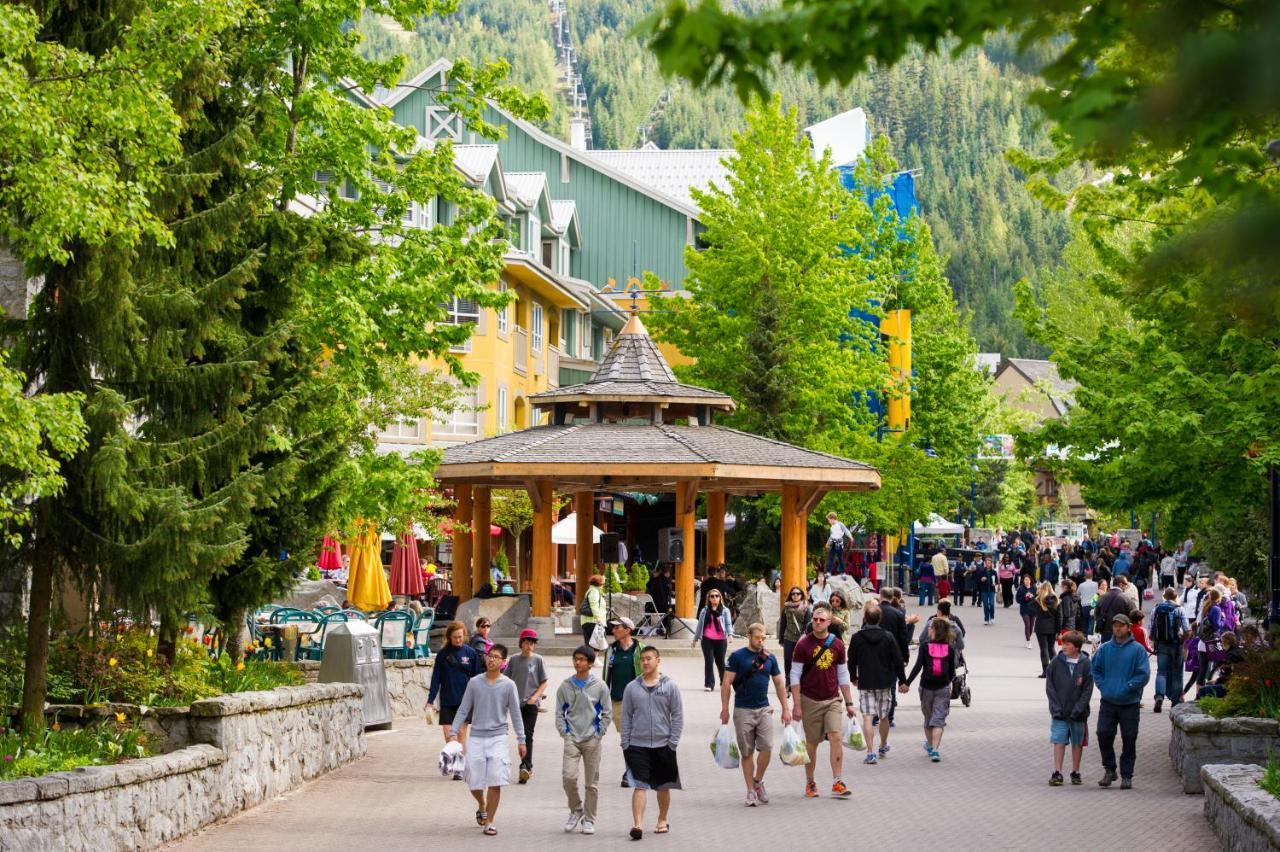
633 385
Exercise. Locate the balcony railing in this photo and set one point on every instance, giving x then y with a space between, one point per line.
522 351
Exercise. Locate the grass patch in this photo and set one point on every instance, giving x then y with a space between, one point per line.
57 750
1270 780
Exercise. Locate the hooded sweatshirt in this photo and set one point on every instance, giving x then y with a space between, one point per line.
652 716
874 659
453 669
1121 670
1069 689
583 712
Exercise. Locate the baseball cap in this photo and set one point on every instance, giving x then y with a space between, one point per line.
528 634
1120 619
623 621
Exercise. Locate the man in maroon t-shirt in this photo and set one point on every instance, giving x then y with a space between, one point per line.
819 677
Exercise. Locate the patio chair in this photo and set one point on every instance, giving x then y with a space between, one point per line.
355 614
326 609
308 623
394 629
315 650
278 615
650 623
422 634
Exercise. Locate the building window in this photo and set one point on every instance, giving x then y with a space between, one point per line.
513 232
535 231
404 430
535 329
503 311
584 335
461 311
564 258
463 421
501 414
549 255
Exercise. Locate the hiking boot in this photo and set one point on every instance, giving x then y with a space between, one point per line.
840 791
1159 703
870 759
1076 780
1126 783
752 801
811 790
1108 778
571 823
1055 780
525 772
762 796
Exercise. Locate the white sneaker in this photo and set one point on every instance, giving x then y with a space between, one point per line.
1028 643
751 799
588 827
572 822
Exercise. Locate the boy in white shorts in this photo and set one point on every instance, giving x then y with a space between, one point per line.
489 705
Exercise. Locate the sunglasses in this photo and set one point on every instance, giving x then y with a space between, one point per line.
482 626
797 595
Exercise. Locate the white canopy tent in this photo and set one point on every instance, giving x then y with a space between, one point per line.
730 521
566 531
419 532
938 525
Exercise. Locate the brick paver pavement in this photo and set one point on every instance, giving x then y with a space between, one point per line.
990 792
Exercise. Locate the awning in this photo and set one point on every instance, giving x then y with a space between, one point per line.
566 531
939 525
730 521
419 532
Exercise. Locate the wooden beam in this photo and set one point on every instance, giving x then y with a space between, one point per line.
686 497
810 496
543 551
462 542
715 528
793 545
535 495
584 550
481 541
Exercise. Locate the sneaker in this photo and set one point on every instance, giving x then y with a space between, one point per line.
927 748
1055 780
762 796
840 791
1028 643
1159 703
1076 780
870 759
1041 675
571 823
525 772
588 827
752 801
811 790
1108 778
935 755
708 689
883 751
457 776
624 780
1126 783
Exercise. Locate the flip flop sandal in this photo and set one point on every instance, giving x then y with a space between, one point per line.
663 830
490 830
481 816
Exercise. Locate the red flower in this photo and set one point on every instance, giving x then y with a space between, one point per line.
207 639
1267 684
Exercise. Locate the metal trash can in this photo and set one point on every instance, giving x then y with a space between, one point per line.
353 654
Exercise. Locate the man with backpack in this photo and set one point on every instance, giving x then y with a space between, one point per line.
875 667
749 672
1169 627
819 679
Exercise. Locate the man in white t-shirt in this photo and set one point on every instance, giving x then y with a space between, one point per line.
835 544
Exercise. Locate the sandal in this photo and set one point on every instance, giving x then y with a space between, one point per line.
490 830
662 829
481 818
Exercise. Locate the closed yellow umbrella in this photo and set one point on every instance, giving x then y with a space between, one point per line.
367 587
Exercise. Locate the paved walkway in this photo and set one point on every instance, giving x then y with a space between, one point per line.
990 792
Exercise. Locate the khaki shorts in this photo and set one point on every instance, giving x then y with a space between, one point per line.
617 715
754 727
820 718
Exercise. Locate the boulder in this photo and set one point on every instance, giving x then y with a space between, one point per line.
758 603
309 594
507 613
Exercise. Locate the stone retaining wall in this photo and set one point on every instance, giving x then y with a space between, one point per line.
1199 739
249 747
1245 817
408 683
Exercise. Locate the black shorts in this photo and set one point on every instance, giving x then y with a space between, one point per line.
447 714
652 768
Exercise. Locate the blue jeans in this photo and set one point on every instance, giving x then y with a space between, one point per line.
1169 670
835 559
926 591
988 606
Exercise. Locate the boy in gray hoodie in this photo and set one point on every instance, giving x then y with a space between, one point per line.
652 721
582 717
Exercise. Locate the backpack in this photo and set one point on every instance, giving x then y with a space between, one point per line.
938 653
1205 630
1164 628
1229 614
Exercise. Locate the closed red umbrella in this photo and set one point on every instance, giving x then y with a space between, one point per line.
330 559
406 575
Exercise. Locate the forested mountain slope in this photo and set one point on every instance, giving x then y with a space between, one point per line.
952 117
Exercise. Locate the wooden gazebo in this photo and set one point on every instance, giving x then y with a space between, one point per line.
633 427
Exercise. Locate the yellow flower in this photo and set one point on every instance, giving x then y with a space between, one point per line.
240 666
120 717
112 662
57 726
266 643
150 652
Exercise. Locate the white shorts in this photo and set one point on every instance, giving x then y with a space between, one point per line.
488 762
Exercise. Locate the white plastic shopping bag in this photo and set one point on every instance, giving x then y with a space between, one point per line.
597 638
794 751
452 760
851 735
724 748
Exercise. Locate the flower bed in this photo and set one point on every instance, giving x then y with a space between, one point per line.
1199 739
1245 816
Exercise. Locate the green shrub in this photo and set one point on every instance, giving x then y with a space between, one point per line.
1270 780
1253 690
313 573
57 750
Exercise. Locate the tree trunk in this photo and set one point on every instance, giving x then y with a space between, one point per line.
167 640
233 635
35 671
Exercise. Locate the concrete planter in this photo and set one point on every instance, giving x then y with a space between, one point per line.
245 748
1199 739
1245 817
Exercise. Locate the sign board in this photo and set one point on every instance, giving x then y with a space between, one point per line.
996 447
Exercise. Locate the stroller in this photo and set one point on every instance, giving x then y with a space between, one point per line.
960 683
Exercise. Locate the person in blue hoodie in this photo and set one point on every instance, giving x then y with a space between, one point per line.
1120 671
455 665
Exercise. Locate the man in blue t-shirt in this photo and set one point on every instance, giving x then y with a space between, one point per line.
748 673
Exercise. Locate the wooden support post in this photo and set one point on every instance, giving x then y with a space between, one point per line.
584 550
715 528
793 545
481 542
462 542
686 499
543 550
